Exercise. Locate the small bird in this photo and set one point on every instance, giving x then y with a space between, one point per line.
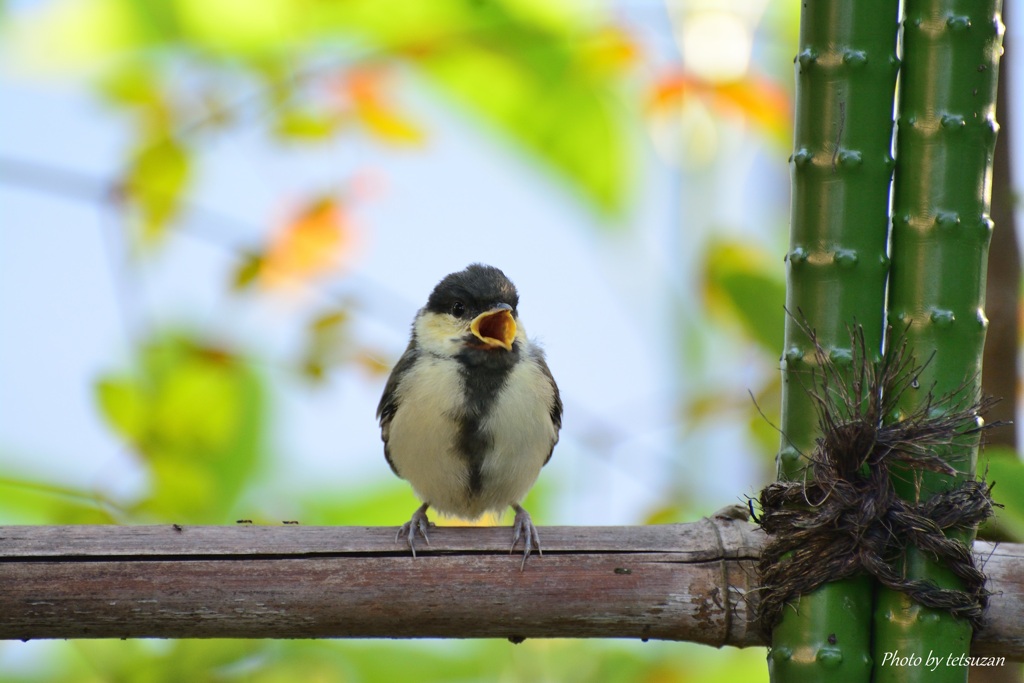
470 413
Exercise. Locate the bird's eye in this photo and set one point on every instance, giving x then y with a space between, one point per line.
458 309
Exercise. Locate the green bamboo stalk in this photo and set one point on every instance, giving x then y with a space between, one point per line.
837 267
941 232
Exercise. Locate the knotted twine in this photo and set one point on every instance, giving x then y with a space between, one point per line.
845 518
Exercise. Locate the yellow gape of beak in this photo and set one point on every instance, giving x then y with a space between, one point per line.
496 327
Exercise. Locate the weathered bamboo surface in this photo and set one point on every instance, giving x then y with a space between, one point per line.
690 582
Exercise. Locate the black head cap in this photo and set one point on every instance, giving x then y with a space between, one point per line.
477 288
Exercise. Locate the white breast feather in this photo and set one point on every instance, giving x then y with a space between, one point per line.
422 438
423 432
523 436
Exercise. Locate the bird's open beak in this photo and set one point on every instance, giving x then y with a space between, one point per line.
495 327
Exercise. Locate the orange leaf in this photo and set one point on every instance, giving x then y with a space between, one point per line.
312 244
668 91
364 84
756 99
759 100
365 89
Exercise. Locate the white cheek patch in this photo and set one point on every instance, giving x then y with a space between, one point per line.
439 334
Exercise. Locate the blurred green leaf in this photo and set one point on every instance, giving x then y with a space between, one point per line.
132 83
30 502
742 282
185 489
240 27
324 661
1005 472
75 34
306 125
330 320
764 417
537 94
667 514
124 407
548 79
142 661
328 343
198 407
388 503
383 505
157 176
388 125
194 413
247 271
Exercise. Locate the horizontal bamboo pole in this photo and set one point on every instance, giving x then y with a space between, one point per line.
691 582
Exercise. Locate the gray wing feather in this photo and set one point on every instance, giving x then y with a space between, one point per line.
389 401
555 410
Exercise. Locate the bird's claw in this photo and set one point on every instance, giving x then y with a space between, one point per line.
417 523
523 528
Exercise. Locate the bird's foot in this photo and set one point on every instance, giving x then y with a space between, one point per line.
418 523
523 527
